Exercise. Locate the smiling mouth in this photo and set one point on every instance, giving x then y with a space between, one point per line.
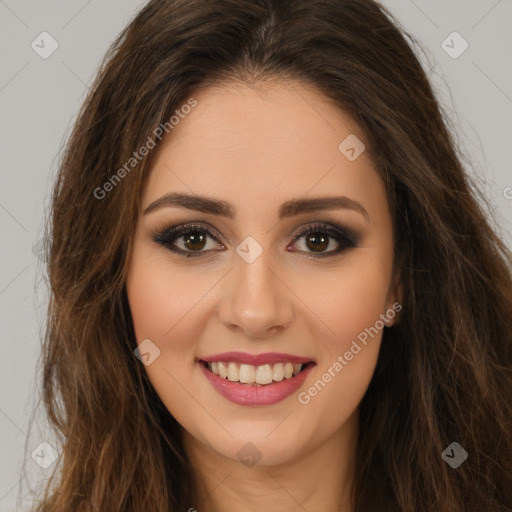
261 375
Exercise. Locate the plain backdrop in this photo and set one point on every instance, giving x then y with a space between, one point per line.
40 97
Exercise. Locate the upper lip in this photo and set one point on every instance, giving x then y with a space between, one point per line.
256 359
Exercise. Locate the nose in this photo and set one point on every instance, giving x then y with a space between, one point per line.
256 301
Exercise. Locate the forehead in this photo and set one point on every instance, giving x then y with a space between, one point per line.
262 143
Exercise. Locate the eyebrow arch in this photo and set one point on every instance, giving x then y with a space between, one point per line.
288 209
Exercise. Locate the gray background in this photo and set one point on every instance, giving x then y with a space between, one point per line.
39 99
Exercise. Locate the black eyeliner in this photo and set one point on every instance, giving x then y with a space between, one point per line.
346 237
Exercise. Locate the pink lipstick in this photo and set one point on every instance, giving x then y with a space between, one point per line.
262 379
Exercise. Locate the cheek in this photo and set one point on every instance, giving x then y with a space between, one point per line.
162 300
165 309
358 305
349 300
351 306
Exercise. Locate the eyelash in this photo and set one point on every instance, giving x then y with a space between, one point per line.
346 238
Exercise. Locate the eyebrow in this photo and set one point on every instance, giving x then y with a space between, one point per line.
222 208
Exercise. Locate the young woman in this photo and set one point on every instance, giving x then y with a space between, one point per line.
272 284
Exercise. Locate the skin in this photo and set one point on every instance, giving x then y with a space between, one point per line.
257 147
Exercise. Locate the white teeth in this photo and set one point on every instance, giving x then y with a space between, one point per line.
288 370
223 371
233 372
264 374
278 373
249 374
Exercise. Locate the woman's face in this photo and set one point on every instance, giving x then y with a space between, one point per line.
250 297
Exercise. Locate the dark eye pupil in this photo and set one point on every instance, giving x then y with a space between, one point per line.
194 240
317 241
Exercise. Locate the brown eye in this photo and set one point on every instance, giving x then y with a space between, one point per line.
193 240
318 238
317 242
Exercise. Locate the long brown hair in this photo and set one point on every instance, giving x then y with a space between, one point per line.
444 372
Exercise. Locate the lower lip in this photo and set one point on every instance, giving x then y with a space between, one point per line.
246 394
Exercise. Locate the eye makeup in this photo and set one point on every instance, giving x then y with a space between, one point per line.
346 238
